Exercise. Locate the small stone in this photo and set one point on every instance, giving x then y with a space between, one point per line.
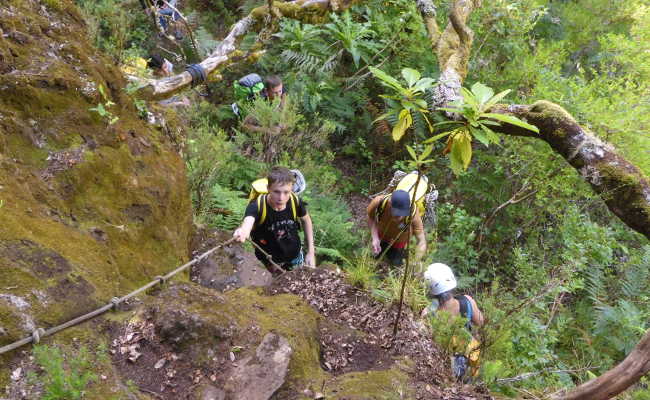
319 396
232 356
160 363
16 374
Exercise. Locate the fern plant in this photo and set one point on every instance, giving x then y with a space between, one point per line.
355 38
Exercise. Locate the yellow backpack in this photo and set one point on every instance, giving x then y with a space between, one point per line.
407 184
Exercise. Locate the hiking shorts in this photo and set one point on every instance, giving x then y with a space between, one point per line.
394 256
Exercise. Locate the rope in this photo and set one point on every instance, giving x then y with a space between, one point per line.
269 257
197 72
40 333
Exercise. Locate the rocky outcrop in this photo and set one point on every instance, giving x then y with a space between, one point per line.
257 377
88 209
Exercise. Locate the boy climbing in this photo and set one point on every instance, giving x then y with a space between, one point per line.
389 222
272 222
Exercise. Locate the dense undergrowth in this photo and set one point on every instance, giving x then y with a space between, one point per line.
564 285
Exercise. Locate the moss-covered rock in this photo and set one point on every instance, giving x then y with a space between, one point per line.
88 210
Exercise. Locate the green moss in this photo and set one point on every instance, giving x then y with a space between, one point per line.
367 385
291 317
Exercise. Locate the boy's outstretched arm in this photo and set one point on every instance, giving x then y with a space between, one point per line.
310 257
244 231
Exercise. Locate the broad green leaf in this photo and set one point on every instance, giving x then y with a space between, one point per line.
412 153
489 122
512 120
465 145
494 100
456 158
426 152
424 84
494 138
411 76
421 103
383 116
438 136
483 93
481 136
405 120
451 110
447 122
385 78
469 98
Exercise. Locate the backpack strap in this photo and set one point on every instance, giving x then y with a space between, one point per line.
261 209
465 310
294 201
382 206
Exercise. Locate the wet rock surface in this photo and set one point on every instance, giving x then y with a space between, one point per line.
228 268
258 377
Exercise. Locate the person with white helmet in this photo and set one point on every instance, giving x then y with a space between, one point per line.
441 283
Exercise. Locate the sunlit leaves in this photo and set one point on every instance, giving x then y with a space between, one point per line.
404 100
476 122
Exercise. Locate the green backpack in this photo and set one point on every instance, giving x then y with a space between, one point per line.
246 89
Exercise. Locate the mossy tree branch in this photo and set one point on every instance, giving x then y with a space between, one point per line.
623 187
311 11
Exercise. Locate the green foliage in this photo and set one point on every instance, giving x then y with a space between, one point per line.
332 223
474 107
63 379
118 27
458 232
389 289
352 37
404 102
361 271
103 108
449 332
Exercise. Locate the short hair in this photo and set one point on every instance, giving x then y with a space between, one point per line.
155 61
272 81
280 175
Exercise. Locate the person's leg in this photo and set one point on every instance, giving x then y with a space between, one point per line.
393 256
296 262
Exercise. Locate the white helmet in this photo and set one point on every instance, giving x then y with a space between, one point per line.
440 278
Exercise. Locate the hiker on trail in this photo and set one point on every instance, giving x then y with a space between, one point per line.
251 86
160 66
272 222
389 222
441 282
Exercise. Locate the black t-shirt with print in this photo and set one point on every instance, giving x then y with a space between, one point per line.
278 236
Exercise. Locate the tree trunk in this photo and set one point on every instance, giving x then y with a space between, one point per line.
617 379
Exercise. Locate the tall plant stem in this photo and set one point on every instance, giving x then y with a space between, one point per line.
406 267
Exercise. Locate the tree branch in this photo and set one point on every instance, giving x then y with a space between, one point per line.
453 51
624 188
304 10
617 379
428 12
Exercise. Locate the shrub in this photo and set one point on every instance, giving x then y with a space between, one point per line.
63 380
